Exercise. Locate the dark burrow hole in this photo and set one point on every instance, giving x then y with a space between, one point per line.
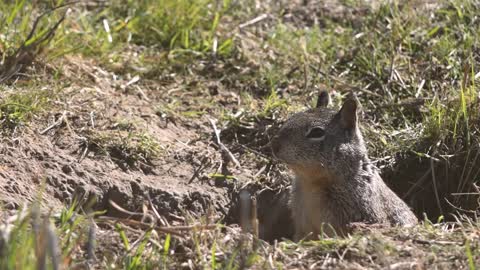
438 187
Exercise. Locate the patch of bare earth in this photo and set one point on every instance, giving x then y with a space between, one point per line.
104 140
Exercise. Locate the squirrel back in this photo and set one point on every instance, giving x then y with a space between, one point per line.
335 182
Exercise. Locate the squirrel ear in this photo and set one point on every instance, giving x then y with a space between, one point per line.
348 112
323 99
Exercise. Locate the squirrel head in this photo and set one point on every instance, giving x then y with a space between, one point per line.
321 140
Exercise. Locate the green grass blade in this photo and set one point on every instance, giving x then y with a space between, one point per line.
468 251
166 249
123 236
16 9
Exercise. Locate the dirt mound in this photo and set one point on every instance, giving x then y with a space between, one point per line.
81 150
33 159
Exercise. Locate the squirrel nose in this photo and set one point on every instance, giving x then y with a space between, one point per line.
275 145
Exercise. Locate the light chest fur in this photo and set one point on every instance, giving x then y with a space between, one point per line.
312 213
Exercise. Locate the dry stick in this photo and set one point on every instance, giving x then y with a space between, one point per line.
259 171
162 220
258 153
55 124
459 208
139 240
417 183
305 64
92 119
403 265
85 151
9 73
130 213
197 171
144 96
142 224
464 194
153 208
254 21
305 74
224 148
435 242
174 230
123 210
419 88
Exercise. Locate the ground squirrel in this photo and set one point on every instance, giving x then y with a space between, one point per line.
335 182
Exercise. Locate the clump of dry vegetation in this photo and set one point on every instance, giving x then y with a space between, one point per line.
150 86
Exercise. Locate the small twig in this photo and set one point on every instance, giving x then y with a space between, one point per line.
92 119
419 88
289 74
222 146
197 171
139 240
174 230
178 218
85 150
435 242
260 171
256 152
135 79
144 96
464 193
403 265
254 21
419 182
123 210
57 123
459 209
153 208
142 225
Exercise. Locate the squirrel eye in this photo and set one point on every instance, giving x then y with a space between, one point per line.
316 133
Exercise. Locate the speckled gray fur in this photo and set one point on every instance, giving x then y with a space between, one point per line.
336 183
